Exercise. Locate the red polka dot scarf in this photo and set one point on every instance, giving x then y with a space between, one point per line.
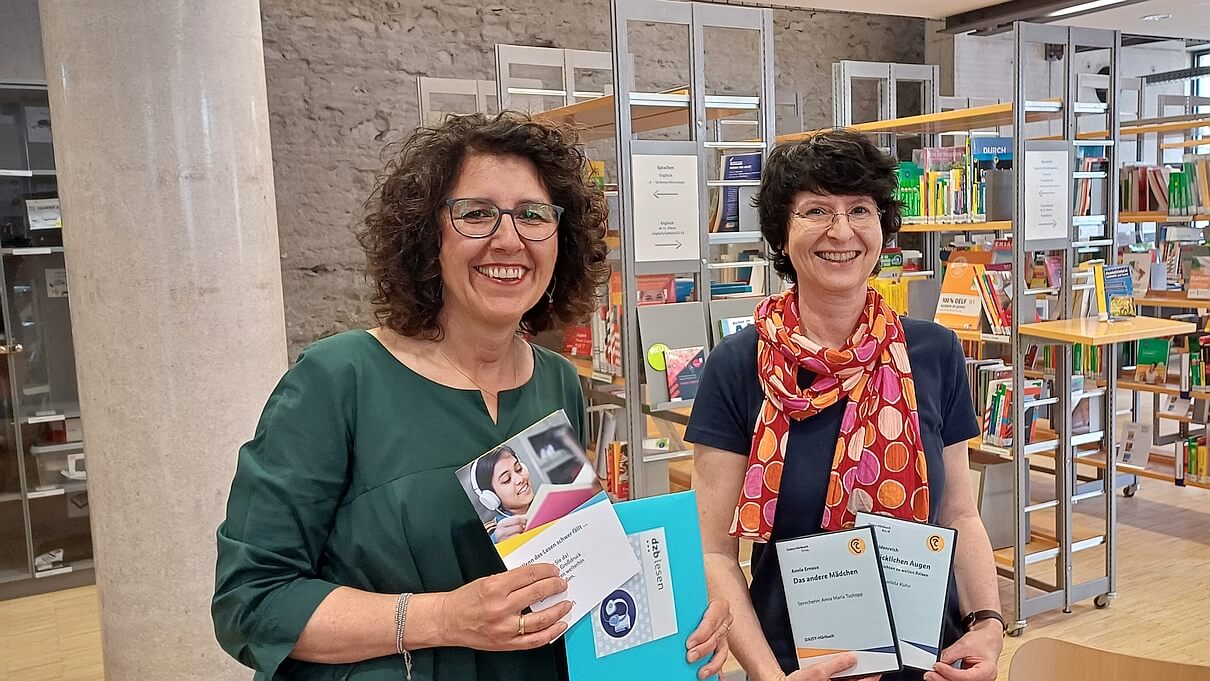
879 463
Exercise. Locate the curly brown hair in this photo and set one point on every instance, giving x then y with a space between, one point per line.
839 162
402 234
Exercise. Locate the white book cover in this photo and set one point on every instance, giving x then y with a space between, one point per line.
917 560
837 601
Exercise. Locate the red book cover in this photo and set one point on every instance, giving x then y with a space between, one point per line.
684 370
577 340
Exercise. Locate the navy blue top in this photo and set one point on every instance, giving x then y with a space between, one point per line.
724 416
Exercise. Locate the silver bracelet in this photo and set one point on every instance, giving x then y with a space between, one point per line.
401 618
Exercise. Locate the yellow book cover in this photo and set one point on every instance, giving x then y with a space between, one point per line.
1102 301
1203 181
960 306
596 173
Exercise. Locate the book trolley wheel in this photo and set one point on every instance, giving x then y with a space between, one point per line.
1017 629
1103 600
1130 490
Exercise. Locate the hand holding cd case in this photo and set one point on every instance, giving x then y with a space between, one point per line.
837 601
918 560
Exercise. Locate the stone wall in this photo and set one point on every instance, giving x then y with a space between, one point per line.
342 84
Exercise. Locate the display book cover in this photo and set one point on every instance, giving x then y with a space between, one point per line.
866 628
1115 291
683 367
646 622
908 552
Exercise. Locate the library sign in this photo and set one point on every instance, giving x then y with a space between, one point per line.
665 207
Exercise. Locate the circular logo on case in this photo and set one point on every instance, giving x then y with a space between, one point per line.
617 614
857 546
936 543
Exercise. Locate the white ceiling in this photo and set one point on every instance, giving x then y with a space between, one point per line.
929 9
1190 18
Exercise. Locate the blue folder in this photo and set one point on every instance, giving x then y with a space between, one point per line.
621 622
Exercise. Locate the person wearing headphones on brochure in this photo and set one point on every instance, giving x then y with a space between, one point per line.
830 404
350 549
501 480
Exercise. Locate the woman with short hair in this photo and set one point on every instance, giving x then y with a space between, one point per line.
832 404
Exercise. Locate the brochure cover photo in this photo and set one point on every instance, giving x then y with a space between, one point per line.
541 502
538 476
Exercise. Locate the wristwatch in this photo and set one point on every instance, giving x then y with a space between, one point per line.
974 617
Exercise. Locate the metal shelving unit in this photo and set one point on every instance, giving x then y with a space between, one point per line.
1063 592
752 116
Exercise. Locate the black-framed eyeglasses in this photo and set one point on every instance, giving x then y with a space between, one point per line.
479 218
859 217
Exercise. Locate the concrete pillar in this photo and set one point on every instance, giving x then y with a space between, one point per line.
166 182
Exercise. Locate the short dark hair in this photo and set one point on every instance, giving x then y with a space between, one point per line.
402 234
839 162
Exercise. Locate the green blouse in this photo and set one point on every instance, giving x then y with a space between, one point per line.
349 481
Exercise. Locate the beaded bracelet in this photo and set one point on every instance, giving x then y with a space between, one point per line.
401 617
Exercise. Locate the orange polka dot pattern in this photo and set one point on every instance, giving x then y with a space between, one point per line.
879 463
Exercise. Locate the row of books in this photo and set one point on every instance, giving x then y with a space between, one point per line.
752 277
1193 464
1192 360
612 457
601 338
1177 189
1086 360
1189 187
948 184
1145 188
992 388
1089 196
731 209
1191 460
992 391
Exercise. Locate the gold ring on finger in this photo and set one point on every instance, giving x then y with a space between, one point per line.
521 625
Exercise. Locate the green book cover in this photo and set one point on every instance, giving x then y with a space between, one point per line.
1152 363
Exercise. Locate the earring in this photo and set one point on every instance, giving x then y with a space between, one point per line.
550 291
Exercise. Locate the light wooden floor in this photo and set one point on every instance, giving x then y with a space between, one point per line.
55 637
1164 561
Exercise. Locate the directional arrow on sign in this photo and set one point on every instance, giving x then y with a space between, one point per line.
657 194
676 245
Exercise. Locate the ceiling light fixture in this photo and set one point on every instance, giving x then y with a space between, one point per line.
1083 7
1157 17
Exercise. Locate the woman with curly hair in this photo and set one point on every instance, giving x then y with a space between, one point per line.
349 550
